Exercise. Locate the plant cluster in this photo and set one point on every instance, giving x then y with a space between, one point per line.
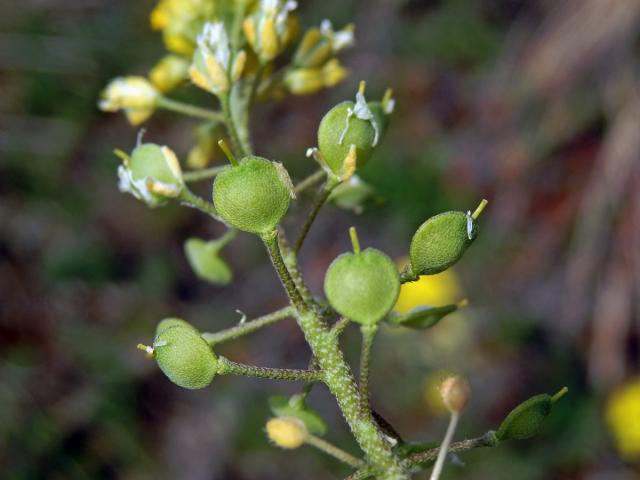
243 51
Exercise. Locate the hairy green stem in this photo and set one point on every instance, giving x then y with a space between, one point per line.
321 199
334 451
248 327
487 440
368 335
291 261
202 174
228 367
187 197
190 110
238 144
338 376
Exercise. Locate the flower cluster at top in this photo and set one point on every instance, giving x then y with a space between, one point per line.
224 45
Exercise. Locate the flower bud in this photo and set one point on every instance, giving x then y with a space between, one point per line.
455 392
204 258
362 286
135 95
319 45
180 21
271 28
304 81
212 68
351 194
185 357
151 174
254 195
526 419
344 125
169 73
442 240
287 432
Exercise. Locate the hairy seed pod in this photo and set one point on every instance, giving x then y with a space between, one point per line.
172 322
526 419
362 286
185 357
338 131
254 195
441 241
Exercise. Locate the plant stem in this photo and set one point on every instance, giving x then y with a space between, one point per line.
368 335
339 326
190 110
337 375
407 275
226 367
291 261
486 440
248 327
232 129
444 447
202 174
321 199
192 200
310 181
334 451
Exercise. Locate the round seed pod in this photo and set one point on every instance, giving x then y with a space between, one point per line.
172 322
253 196
334 141
381 117
362 286
184 356
440 242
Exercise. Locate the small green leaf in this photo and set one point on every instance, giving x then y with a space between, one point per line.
526 419
423 317
294 406
204 258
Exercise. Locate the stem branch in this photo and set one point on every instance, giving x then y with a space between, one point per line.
190 110
226 367
248 327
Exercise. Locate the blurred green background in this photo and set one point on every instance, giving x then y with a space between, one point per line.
532 104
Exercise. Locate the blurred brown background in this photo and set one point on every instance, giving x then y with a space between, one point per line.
534 105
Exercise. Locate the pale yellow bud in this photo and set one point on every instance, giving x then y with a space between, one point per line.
249 29
287 432
135 95
455 392
304 81
238 66
169 72
333 73
269 42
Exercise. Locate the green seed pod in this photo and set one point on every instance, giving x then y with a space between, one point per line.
339 129
526 419
442 240
254 195
172 322
362 286
185 357
152 173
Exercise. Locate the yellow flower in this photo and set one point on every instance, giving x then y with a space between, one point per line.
434 290
135 95
622 415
